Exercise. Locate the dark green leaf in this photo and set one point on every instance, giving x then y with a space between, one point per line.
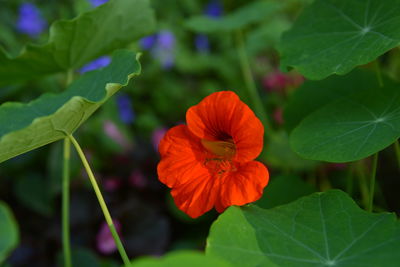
334 36
33 192
352 127
49 118
313 95
9 234
284 189
73 43
324 229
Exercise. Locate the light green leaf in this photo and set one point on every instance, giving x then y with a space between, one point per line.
181 259
73 43
49 118
323 229
352 127
313 95
9 233
334 36
252 13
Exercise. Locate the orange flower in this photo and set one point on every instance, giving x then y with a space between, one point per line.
210 161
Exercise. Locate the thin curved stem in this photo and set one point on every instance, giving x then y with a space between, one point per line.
249 80
65 204
372 182
102 203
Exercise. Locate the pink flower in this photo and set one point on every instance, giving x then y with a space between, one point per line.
111 183
275 81
137 179
115 134
105 241
156 137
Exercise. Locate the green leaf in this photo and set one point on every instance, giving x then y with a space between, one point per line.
252 13
9 233
313 95
49 118
352 127
73 43
33 192
334 36
181 258
284 189
323 229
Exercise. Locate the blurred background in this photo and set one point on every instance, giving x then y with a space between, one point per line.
181 64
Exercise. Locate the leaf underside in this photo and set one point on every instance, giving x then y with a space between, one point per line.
51 117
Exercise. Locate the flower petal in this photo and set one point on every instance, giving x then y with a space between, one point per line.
182 157
223 114
198 195
243 186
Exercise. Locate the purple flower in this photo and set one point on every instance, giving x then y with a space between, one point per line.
148 42
105 241
202 44
125 109
100 62
96 3
161 46
30 20
213 9
166 40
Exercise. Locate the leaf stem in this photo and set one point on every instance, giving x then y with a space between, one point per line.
364 190
65 204
249 80
372 182
102 203
350 179
397 150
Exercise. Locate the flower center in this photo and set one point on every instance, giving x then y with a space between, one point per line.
221 149
220 155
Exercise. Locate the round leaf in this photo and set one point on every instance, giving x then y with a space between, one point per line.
351 128
323 229
334 36
181 259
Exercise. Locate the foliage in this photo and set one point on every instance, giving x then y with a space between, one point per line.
324 74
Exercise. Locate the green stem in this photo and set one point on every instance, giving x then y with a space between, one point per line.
378 73
372 182
70 77
397 149
350 179
102 203
249 80
364 190
65 205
